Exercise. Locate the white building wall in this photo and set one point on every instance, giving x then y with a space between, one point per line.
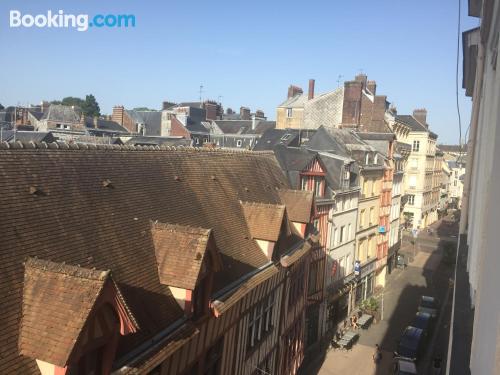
484 216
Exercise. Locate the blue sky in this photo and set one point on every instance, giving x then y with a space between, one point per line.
247 52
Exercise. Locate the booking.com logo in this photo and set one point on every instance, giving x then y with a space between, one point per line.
80 22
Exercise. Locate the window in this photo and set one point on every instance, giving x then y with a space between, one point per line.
362 219
335 234
342 234
318 186
238 143
289 112
372 215
412 182
303 184
411 200
416 146
349 232
367 159
197 141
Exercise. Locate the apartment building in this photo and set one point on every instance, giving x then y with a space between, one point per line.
420 209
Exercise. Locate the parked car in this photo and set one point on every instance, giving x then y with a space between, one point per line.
423 321
429 305
411 344
403 366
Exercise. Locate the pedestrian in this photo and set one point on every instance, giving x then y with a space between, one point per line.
377 356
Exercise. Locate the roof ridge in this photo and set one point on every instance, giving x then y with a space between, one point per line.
4 145
67 269
181 228
250 203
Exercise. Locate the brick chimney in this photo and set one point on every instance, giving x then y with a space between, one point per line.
95 122
244 113
420 114
361 78
294 90
351 109
372 87
310 94
166 105
117 115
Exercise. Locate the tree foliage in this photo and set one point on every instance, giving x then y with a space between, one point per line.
90 107
1 107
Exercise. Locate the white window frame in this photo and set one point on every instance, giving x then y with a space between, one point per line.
289 112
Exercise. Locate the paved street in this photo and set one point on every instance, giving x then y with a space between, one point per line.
426 274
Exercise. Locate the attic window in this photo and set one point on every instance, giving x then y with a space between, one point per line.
238 143
177 178
213 178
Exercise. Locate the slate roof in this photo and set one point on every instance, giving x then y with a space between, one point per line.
36 113
143 140
180 251
27 136
57 301
93 206
295 101
263 126
273 137
234 126
264 221
299 204
329 139
62 113
453 148
414 125
103 124
152 120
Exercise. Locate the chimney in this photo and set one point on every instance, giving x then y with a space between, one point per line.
166 105
294 90
96 122
244 113
311 90
117 115
372 87
420 115
351 109
259 113
253 122
361 78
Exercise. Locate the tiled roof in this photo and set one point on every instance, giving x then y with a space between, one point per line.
180 251
93 206
453 148
264 220
57 301
299 204
234 126
263 126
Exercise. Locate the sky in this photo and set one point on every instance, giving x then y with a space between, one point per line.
243 53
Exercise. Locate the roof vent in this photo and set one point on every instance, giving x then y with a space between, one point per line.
177 178
247 189
213 177
107 184
35 190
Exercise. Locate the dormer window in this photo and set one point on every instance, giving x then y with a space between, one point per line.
72 318
187 259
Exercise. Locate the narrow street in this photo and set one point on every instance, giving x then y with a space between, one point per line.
427 274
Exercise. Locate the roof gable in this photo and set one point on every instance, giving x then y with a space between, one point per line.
299 204
180 252
58 299
264 220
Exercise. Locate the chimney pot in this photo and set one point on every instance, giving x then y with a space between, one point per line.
372 87
311 89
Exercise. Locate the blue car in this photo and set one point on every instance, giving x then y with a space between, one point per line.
423 321
411 344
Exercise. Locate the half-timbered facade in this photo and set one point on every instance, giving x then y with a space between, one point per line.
151 260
